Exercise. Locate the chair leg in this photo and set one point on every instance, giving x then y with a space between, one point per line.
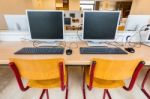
143 83
106 92
66 97
83 87
47 94
42 94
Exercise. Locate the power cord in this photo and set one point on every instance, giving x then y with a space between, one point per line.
74 45
132 44
36 44
78 33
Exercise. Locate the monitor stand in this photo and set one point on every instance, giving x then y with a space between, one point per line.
49 44
99 44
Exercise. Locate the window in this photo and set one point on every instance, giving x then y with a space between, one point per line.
87 5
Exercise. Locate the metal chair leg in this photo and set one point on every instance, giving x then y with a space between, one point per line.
47 94
143 83
83 87
66 97
106 92
42 94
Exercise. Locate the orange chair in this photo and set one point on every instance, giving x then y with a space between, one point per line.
143 84
43 73
104 73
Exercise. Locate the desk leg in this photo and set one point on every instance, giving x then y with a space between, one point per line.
143 83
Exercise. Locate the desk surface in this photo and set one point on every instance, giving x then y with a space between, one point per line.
7 50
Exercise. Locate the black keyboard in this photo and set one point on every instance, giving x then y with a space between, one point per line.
31 50
101 50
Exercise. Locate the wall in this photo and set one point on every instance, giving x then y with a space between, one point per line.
13 7
140 7
74 4
107 5
19 7
44 4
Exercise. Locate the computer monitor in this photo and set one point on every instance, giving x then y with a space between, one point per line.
147 41
16 22
100 25
46 25
135 22
67 21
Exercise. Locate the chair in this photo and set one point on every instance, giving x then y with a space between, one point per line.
143 84
42 73
104 73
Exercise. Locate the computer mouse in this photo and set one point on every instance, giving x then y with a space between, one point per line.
131 50
69 51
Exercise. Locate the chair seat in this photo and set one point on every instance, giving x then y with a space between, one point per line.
101 83
51 83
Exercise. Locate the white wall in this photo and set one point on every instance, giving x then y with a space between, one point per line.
140 7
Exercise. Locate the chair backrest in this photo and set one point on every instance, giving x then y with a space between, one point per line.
114 69
41 69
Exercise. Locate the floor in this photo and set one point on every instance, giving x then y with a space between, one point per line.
9 88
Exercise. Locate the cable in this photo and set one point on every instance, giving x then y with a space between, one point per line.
132 44
36 44
62 44
78 33
119 43
71 45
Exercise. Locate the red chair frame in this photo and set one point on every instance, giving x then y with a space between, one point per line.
143 83
106 92
22 88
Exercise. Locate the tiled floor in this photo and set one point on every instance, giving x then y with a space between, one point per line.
9 88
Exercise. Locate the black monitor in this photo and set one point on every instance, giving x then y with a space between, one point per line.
72 15
99 25
67 21
46 24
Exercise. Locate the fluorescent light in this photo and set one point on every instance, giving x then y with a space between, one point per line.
87 2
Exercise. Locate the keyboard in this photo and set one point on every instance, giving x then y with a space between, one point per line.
101 50
31 50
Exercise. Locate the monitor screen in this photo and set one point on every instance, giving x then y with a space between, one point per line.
100 25
149 37
67 21
46 24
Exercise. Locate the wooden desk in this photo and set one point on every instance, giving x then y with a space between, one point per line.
8 48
